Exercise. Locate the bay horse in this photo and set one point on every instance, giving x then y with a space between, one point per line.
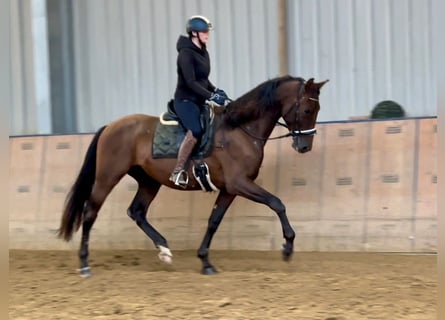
242 129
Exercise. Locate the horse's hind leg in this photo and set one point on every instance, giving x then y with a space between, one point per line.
222 202
147 191
101 189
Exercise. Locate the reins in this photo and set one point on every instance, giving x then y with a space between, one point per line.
252 135
289 134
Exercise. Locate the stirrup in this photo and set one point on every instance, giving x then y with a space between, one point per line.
178 178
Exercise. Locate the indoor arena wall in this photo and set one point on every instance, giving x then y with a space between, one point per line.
365 186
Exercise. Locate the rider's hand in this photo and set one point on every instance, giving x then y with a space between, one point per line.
222 93
218 100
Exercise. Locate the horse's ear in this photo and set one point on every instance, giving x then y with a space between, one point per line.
321 84
308 85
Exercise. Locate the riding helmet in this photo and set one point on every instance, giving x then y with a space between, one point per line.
198 24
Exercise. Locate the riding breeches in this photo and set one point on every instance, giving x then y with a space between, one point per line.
189 113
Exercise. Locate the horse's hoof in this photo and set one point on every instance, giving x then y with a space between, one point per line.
288 250
287 257
208 271
287 253
165 258
165 255
85 272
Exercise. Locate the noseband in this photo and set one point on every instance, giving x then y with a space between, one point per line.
298 132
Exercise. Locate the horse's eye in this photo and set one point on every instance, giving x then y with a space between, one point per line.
307 111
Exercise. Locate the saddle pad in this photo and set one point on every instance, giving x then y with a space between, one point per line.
167 140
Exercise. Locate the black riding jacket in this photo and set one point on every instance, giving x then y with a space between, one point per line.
193 67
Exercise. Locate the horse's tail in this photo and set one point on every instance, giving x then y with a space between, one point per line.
80 192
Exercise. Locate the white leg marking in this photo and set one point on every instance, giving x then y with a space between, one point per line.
165 255
84 272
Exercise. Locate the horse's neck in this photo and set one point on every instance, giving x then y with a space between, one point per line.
263 126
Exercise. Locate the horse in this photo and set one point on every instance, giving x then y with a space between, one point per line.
241 130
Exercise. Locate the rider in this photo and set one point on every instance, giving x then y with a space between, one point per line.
193 89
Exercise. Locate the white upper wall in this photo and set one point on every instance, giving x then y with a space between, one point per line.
126 52
30 111
125 55
370 50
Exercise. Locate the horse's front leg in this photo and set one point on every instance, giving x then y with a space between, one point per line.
248 189
222 202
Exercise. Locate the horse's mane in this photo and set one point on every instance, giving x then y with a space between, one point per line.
256 102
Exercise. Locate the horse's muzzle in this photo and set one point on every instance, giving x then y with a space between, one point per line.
304 149
302 144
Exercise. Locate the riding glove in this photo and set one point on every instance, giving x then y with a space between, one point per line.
222 93
218 99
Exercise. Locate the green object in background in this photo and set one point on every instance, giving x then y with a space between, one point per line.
387 109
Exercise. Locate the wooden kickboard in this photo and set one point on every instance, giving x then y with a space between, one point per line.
391 170
345 171
426 204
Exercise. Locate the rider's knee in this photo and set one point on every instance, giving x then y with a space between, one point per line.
197 133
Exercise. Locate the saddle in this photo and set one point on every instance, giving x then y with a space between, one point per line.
170 132
168 137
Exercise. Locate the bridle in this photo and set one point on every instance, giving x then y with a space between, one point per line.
294 133
298 132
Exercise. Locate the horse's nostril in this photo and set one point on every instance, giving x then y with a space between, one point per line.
304 149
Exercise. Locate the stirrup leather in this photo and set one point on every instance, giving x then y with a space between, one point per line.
180 178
